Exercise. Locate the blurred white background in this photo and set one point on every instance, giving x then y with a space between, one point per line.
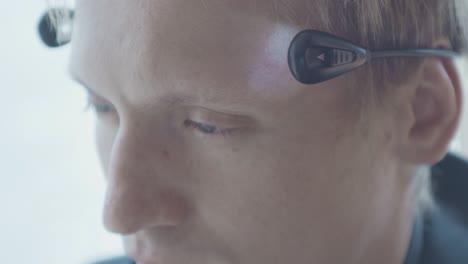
51 188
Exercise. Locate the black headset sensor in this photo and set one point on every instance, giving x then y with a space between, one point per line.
316 56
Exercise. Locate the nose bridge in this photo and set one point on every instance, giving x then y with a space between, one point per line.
138 194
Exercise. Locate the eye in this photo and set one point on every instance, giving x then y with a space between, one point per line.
100 107
207 129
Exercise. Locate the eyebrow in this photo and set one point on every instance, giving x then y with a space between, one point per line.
74 77
168 100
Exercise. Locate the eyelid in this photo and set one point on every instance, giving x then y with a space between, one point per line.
94 99
218 119
83 84
98 104
213 131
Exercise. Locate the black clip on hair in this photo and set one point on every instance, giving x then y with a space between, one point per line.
316 56
51 35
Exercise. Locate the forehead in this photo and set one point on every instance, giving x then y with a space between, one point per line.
231 50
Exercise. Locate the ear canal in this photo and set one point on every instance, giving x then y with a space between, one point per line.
424 108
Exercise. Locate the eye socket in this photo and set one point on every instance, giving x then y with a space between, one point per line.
207 129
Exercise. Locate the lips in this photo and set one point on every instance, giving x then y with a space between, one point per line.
141 260
145 262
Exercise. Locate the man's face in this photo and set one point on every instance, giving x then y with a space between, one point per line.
214 153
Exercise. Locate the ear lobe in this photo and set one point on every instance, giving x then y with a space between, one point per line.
436 108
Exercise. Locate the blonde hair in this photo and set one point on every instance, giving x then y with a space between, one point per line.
374 24
385 24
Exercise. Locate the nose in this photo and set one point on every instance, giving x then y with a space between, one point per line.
139 192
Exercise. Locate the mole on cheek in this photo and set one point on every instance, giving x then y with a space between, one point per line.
165 153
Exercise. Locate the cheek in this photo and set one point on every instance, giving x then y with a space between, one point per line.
279 195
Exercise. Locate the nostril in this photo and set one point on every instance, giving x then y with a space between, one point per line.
119 214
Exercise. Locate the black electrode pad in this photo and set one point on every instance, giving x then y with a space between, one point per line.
55 35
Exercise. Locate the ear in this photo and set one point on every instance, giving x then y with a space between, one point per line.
435 108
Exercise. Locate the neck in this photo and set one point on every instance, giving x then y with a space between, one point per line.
392 237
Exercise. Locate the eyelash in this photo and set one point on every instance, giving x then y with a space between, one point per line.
99 108
207 129
102 109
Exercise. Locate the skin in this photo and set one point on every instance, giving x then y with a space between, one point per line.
280 172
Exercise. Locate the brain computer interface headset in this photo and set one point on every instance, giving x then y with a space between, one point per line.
313 56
